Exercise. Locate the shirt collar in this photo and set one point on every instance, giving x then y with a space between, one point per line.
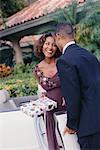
69 43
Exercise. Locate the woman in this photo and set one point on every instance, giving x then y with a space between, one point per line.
47 76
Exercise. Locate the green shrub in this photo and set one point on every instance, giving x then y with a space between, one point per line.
22 82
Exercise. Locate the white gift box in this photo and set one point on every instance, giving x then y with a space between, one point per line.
38 107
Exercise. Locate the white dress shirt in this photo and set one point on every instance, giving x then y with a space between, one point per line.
69 43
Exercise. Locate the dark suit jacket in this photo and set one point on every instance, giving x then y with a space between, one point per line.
79 73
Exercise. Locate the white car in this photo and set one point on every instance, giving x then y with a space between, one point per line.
19 131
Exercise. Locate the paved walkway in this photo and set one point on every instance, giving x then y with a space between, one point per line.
15 102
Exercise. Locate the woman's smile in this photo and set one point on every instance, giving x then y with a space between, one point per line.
49 47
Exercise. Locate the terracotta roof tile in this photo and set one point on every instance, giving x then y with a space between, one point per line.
37 9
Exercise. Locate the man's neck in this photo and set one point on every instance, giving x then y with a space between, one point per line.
67 44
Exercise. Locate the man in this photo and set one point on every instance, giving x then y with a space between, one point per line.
79 72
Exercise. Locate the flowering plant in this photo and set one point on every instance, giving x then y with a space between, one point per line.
4 70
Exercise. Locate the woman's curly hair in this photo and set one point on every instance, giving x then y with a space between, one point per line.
38 47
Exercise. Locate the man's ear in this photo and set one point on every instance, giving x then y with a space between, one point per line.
58 35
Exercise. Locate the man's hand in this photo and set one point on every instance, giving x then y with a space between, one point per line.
69 131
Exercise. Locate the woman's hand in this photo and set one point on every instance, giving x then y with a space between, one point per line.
69 131
43 94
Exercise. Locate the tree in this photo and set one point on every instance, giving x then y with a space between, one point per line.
86 21
88 28
9 7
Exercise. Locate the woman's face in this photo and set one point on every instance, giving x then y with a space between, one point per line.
49 47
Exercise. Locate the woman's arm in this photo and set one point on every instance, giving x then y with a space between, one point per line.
41 92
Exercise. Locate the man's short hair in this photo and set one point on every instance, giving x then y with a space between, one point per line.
65 29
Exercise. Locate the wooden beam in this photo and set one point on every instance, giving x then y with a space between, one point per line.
27 28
